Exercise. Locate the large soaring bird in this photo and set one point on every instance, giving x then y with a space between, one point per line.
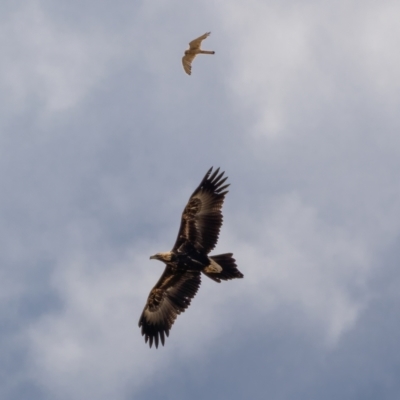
188 259
191 53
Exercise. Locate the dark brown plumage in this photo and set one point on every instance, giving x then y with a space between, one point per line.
198 234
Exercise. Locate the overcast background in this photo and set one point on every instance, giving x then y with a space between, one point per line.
104 138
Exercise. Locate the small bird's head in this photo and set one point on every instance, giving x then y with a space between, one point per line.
164 257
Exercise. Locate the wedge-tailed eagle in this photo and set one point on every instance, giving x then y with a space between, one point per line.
198 234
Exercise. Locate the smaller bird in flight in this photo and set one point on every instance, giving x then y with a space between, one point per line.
191 53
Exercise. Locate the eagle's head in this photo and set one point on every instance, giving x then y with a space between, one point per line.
164 257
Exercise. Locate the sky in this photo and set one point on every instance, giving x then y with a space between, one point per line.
103 138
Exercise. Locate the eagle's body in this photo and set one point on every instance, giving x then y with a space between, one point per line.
198 235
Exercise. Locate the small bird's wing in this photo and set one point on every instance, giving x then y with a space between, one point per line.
202 217
187 62
169 297
196 43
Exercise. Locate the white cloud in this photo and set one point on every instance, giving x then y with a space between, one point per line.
290 257
291 56
94 340
54 63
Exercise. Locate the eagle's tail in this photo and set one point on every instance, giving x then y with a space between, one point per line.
228 265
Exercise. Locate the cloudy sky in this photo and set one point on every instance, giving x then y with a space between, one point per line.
103 138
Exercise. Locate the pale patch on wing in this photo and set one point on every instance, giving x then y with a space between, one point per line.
170 297
202 216
207 221
162 314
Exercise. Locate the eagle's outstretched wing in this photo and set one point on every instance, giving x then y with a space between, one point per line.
187 62
169 297
196 43
202 216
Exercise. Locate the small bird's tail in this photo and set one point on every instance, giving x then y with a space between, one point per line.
206 52
228 265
